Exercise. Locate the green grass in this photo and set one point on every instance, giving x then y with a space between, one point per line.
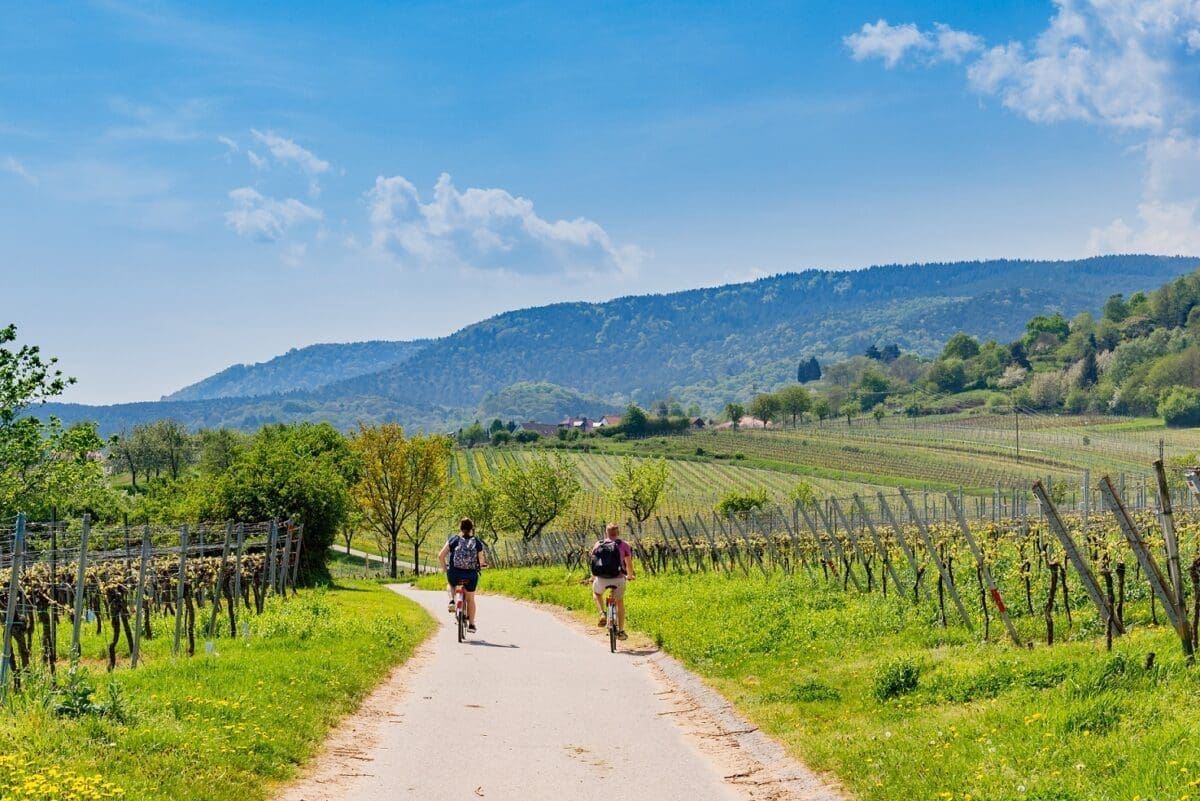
825 672
229 726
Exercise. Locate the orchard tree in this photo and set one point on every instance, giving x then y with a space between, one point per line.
478 502
427 475
795 400
531 494
381 492
735 412
639 488
766 407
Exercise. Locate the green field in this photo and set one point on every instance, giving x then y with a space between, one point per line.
896 707
225 726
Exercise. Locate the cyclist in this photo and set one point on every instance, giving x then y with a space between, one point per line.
466 559
612 566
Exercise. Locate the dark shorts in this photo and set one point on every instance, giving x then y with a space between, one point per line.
468 577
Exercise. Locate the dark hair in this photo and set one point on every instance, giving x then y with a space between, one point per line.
466 526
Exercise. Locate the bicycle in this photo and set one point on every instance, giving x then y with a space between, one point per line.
610 615
460 609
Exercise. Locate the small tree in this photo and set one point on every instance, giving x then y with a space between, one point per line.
740 503
530 495
878 413
849 409
427 479
803 494
640 487
735 412
478 502
822 409
634 420
766 407
1180 407
381 491
795 401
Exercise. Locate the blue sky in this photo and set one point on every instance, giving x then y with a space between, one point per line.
183 187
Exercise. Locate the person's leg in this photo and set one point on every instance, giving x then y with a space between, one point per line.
471 608
620 614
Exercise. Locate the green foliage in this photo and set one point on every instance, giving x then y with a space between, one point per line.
737 502
795 401
734 412
766 407
304 471
639 487
961 346
634 420
894 678
1180 407
530 495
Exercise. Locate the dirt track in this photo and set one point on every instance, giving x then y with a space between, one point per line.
535 707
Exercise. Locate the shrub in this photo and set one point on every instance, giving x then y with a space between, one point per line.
1180 406
896 677
735 502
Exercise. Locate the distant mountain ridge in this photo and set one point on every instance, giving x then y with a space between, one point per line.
300 369
706 346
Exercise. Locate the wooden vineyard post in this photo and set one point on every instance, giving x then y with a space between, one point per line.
662 534
883 553
183 549
985 571
837 546
272 538
139 600
1090 584
1178 615
237 580
212 620
947 579
858 551
908 554
735 553
286 568
299 551
643 557
80 576
713 550
10 608
796 548
753 552
1167 516
826 556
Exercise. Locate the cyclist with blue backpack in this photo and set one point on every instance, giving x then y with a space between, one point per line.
612 566
466 558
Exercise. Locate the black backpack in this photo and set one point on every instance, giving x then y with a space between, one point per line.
606 559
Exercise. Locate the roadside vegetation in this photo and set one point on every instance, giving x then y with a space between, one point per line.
225 726
876 693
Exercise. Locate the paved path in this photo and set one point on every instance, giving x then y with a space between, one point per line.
535 707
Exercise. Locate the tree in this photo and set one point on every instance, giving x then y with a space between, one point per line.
497 425
849 409
872 352
1115 308
218 449
878 413
822 409
132 451
794 400
25 378
890 353
172 445
735 412
478 502
809 370
948 375
961 346
381 492
803 494
1089 372
427 480
531 494
766 407
473 435
639 487
634 420
302 471
736 502
872 389
1180 407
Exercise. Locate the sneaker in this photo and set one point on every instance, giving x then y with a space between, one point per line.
602 622
622 635
471 627
450 607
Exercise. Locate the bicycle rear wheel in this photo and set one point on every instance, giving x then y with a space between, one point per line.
612 639
462 626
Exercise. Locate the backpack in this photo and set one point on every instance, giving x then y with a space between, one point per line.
606 559
464 554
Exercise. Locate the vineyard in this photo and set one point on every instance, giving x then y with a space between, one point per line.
697 485
974 451
1039 571
86 588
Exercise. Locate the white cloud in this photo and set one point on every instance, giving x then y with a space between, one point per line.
487 229
11 165
229 143
891 43
258 161
1117 64
180 123
266 219
887 42
287 151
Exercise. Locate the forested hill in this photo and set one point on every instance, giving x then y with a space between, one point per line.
704 346
300 369
646 347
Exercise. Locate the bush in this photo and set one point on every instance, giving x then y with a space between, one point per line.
1180 407
525 435
735 502
501 437
895 678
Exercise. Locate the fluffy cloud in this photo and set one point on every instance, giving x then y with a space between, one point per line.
285 151
266 219
1123 65
486 229
891 43
11 165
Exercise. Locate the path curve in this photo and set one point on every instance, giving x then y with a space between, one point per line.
543 711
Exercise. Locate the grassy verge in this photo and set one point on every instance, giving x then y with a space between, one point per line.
876 693
224 726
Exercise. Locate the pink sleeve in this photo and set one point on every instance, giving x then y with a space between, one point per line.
626 551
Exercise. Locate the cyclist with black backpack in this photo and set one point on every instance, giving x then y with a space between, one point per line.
466 558
612 565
